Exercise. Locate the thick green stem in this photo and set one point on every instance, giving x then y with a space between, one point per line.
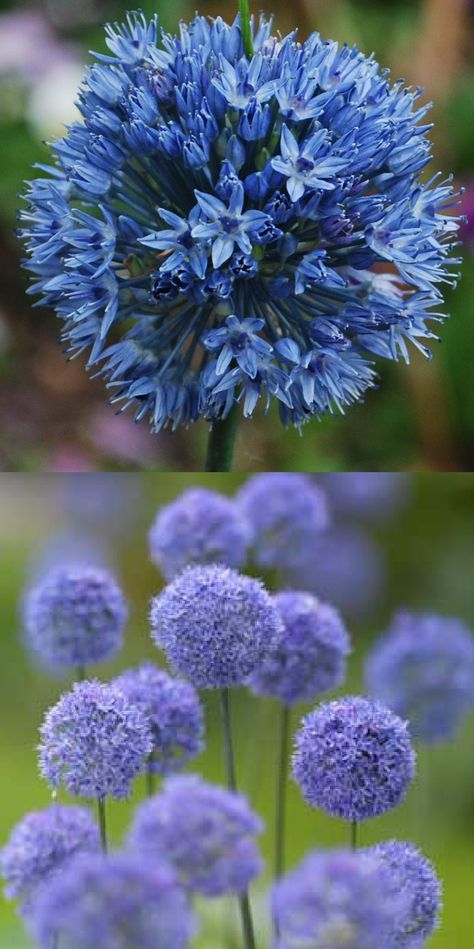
220 447
245 27
244 902
150 777
102 823
282 779
353 835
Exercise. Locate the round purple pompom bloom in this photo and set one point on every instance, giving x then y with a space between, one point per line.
200 526
74 617
416 880
286 512
423 668
367 494
308 657
353 758
206 832
41 844
115 902
336 899
94 741
345 567
215 625
173 710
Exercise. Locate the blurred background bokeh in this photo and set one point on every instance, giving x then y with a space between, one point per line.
53 418
416 537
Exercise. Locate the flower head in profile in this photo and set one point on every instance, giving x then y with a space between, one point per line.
226 227
94 742
41 845
353 758
337 900
215 625
75 616
206 832
417 882
199 526
309 655
174 713
423 668
121 900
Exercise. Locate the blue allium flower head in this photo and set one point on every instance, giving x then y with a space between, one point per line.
423 668
220 227
367 494
337 900
116 902
214 624
286 512
94 741
353 758
416 880
75 616
200 526
206 832
344 566
309 655
173 710
40 845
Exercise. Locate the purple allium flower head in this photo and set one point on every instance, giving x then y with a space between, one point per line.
367 494
336 900
309 655
94 741
75 616
173 710
215 625
423 668
228 225
200 526
345 567
287 512
353 758
121 901
41 844
206 832
416 880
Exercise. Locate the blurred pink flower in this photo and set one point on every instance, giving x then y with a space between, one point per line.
28 45
118 437
68 458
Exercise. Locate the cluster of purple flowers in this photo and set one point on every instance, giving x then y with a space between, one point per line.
250 226
219 628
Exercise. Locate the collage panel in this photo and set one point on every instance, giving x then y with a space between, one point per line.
236 710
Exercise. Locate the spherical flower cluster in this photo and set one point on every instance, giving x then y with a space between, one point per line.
346 567
223 226
416 880
353 758
75 616
115 902
173 710
214 624
336 899
40 845
94 742
308 657
367 494
200 526
423 668
287 512
206 832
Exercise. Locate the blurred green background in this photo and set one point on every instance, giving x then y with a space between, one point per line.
52 418
425 547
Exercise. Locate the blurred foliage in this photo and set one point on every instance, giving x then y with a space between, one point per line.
428 549
422 416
